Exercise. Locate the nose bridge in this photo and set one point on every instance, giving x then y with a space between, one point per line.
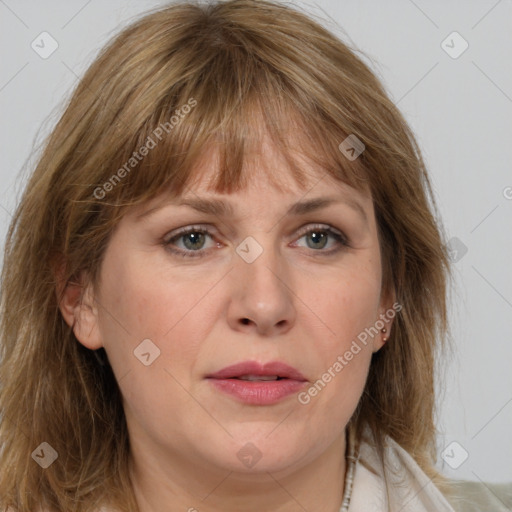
260 263
262 293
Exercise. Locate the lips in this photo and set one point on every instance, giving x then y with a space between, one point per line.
252 370
253 383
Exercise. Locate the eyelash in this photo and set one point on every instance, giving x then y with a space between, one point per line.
340 239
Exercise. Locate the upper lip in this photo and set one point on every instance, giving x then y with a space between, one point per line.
277 368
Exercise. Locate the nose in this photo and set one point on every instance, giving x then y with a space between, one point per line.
262 297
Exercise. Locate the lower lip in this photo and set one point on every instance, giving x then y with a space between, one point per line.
258 392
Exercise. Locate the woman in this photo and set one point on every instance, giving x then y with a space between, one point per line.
224 286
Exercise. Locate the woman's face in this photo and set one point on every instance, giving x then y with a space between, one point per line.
261 284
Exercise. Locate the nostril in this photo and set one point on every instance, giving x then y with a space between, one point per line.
245 321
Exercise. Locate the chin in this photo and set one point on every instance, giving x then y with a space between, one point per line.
258 453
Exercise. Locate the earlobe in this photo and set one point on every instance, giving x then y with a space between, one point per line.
380 340
385 321
384 333
77 307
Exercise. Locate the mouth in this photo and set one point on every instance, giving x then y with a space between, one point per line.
252 371
253 378
258 384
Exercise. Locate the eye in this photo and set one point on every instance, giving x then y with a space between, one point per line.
319 235
192 240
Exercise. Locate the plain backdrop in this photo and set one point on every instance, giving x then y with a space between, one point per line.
458 102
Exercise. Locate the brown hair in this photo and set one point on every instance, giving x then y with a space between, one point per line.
234 63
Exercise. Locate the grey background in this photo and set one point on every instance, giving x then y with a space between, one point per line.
460 110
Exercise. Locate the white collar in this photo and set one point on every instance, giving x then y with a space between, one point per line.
410 489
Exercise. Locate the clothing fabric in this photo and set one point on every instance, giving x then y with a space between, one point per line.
409 489
482 496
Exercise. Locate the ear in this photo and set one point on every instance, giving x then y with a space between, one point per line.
388 309
76 303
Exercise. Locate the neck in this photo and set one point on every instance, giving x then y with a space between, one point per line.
196 486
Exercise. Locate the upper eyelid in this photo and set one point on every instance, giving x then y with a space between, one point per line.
210 230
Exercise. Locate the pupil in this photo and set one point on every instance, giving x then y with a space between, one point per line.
315 234
196 238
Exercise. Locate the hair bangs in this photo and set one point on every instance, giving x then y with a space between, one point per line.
228 130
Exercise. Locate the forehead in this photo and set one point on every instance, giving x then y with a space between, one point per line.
270 185
258 161
265 166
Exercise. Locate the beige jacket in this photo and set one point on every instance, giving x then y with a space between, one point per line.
410 489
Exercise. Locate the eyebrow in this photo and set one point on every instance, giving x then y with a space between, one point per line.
223 209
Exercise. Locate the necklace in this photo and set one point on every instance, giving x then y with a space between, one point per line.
351 459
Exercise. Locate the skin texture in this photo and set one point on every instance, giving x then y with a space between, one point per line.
302 306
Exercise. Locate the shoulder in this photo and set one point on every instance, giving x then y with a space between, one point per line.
409 485
392 481
471 496
465 495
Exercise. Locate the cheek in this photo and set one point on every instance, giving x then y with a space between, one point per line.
350 303
141 303
349 306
